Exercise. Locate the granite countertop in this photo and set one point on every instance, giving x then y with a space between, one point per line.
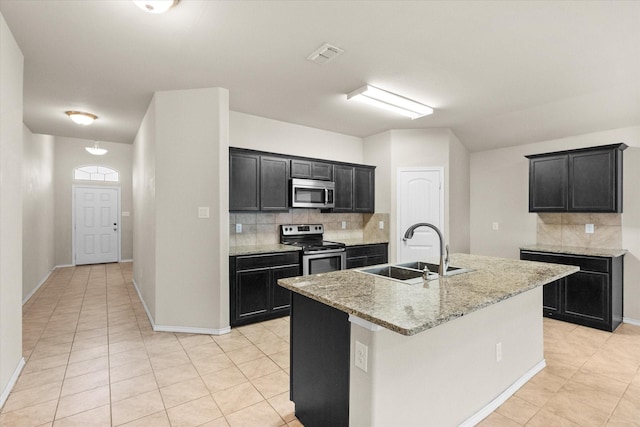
261 249
574 250
410 309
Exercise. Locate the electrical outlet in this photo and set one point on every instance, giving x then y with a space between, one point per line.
238 228
381 225
344 225
589 228
361 355
203 212
495 226
498 352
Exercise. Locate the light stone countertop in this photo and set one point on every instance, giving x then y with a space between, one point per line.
261 249
410 309
574 250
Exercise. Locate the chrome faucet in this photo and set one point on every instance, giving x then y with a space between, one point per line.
444 250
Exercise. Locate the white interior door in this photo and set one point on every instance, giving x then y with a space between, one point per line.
420 199
96 224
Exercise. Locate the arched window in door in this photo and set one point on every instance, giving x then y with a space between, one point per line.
96 173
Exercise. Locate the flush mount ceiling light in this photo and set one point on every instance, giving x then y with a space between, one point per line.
155 6
96 150
390 101
81 117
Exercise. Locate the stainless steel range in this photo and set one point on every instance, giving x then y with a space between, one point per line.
318 255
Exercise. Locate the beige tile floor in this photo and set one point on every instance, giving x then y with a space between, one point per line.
93 360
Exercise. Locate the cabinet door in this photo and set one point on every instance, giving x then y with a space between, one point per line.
551 298
274 184
548 180
252 292
301 169
343 176
363 190
281 297
586 296
357 262
592 181
244 182
320 170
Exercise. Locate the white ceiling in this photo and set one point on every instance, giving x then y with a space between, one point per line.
497 73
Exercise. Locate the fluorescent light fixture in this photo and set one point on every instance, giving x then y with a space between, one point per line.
96 150
80 117
155 6
390 101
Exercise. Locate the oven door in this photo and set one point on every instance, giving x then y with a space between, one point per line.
324 262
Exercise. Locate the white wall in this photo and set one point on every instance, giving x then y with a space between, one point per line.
70 154
38 249
259 133
459 196
11 106
181 157
500 191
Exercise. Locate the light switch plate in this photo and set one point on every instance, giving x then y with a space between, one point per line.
589 228
344 225
238 228
381 225
203 212
495 226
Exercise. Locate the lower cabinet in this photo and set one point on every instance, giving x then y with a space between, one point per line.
255 294
365 255
320 363
590 297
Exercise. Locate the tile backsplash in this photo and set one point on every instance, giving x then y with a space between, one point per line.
264 228
568 229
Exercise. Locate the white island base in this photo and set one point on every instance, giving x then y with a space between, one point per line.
448 375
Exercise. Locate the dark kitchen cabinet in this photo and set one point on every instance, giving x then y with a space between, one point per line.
274 183
590 297
254 292
355 188
365 255
363 189
244 181
320 363
343 176
583 180
258 182
308 169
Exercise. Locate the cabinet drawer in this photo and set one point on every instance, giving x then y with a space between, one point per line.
249 262
366 250
587 263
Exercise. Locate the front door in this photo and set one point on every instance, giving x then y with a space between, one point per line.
420 200
96 224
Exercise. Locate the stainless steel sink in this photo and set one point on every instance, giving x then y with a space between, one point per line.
410 272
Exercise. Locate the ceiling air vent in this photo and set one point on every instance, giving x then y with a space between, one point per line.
325 53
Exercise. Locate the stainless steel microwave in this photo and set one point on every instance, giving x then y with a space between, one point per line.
312 193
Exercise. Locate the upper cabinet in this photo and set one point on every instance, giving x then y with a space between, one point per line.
308 169
355 188
584 180
260 181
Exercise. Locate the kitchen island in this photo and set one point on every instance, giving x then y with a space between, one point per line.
443 354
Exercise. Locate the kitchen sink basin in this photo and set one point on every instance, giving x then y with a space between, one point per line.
411 272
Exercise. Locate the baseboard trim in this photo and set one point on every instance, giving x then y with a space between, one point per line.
12 382
126 260
631 321
510 391
179 329
189 330
64 266
33 292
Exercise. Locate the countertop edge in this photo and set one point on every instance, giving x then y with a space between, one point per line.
576 250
